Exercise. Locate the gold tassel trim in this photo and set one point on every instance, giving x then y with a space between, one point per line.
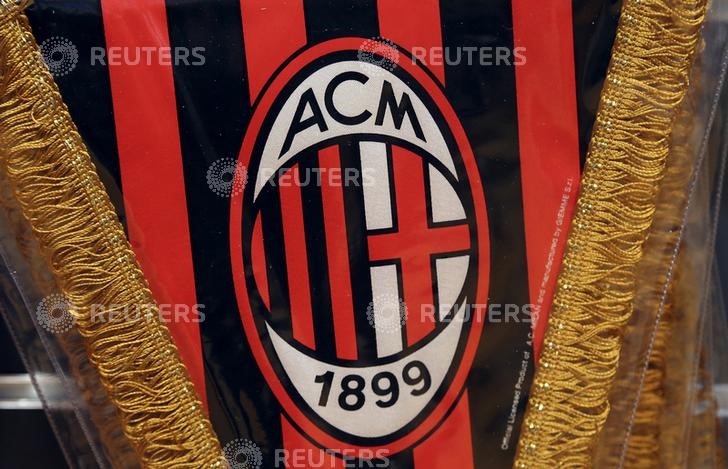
646 83
103 415
61 196
632 433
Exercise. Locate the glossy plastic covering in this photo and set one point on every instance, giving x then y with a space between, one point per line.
352 215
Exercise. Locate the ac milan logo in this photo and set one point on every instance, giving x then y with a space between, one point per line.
363 193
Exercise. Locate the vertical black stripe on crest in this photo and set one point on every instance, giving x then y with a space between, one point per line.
318 270
275 256
329 19
356 231
485 99
91 107
214 109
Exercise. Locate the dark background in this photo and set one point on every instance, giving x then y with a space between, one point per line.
26 438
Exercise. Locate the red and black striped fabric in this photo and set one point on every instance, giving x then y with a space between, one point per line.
155 129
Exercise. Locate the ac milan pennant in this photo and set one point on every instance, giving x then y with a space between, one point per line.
363 203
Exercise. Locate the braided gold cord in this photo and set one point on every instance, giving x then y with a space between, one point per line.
646 83
61 196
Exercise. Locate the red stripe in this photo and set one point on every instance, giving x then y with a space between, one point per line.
337 251
272 31
451 444
259 263
150 157
294 234
414 25
300 453
548 139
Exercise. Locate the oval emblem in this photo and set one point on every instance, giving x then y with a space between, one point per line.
359 246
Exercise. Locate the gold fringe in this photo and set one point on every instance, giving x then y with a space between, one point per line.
646 83
631 435
61 196
102 414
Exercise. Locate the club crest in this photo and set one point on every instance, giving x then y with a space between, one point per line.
358 244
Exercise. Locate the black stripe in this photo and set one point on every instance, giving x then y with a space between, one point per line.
318 269
86 89
214 108
403 460
275 256
328 19
595 26
358 253
485 99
